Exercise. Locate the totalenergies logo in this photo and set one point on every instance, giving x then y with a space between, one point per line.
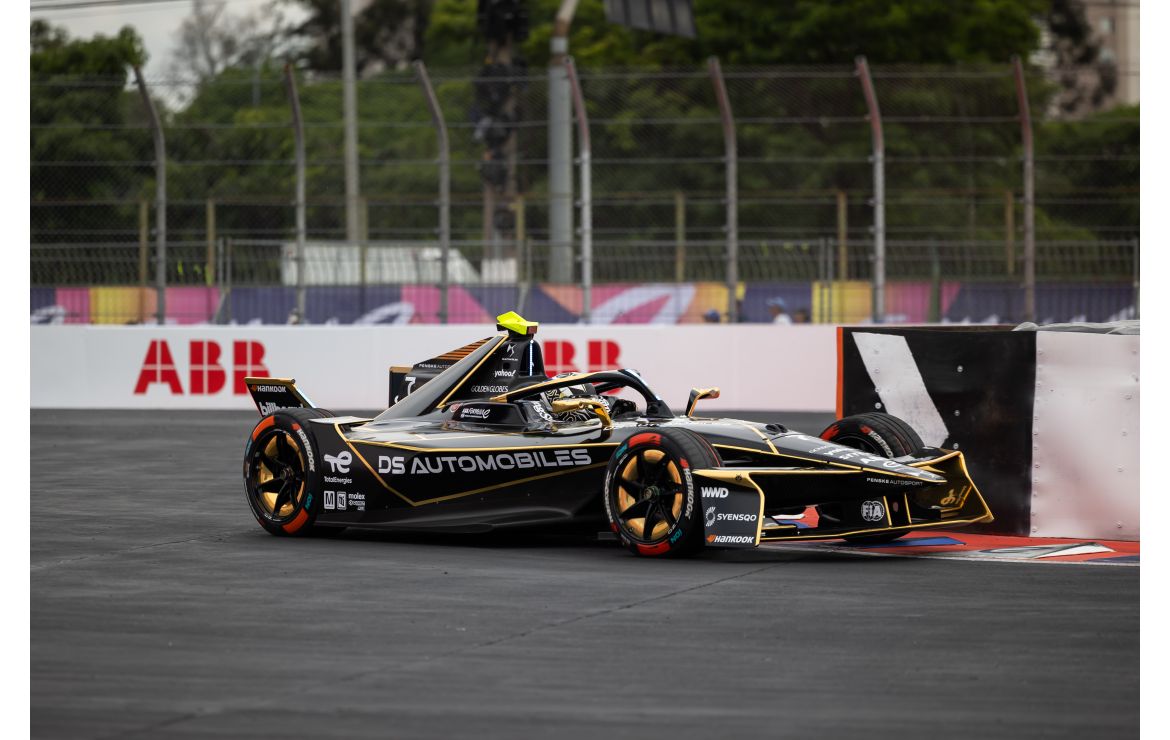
206 375
560 356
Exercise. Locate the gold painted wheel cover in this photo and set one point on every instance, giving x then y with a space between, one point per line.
263 474
625 499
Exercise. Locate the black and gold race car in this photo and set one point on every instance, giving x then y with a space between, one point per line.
481 439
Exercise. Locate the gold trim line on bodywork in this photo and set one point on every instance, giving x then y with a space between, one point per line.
412 502
460 450
763 436
846 467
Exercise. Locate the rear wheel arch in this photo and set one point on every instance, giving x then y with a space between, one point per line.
879 434
282 473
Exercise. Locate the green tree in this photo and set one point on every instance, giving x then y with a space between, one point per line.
387 33
1090 170
86 145
754 32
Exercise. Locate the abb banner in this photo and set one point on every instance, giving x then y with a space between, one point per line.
758 367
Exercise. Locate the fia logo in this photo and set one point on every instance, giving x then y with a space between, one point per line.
872 511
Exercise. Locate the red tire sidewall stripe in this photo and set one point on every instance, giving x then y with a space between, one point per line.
297 523
659 549
645 438
264 424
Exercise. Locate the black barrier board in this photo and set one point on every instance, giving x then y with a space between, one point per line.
982 383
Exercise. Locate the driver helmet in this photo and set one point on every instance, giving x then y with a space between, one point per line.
583 390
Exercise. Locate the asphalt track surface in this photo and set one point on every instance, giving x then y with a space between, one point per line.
160 609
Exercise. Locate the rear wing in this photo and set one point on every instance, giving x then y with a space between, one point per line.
272 394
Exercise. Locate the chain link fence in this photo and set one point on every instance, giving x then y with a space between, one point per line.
953 173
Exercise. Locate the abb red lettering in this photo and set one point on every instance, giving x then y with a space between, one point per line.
207 376
247 360
603 354
558 357
158 367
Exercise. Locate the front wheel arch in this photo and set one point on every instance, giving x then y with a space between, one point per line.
648 483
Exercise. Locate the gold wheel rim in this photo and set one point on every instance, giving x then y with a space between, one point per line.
645 476
278 475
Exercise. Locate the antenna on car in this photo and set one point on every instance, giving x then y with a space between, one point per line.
516 325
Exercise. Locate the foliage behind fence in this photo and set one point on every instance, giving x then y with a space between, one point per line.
953 174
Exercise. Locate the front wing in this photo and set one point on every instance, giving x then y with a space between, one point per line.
735 502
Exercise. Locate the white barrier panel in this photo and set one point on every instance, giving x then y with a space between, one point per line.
759 367
1085 478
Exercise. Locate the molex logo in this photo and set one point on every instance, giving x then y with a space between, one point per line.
206 375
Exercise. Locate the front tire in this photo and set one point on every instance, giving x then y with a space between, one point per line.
281 478
877 434
650 497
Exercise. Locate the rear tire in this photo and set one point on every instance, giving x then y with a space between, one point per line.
650 497
877 434
282 480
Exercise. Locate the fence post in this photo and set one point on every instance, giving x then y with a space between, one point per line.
731 162
842 235
586 190
229 260
523 266
349 105
1029 192
680 236
560 150
1009 231
160 198
444 185
294 100
1137 264
935 311
521 223
363 237
879 191
143 241
209 268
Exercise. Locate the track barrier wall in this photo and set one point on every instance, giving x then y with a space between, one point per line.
761 367
1048 421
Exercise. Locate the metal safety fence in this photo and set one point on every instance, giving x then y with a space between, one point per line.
716 175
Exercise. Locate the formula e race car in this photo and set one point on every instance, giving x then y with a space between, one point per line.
481 439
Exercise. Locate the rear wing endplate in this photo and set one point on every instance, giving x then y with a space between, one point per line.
272 394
